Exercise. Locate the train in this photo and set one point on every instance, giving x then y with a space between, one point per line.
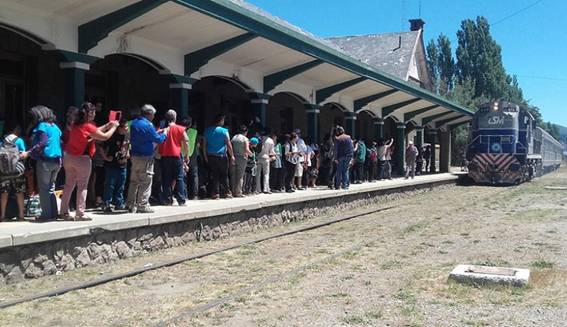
507 148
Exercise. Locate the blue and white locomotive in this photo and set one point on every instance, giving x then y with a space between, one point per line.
506 146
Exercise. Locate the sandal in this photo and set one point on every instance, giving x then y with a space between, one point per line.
82 218
66 217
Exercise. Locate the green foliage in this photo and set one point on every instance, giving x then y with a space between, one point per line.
441 64
476 76
479 59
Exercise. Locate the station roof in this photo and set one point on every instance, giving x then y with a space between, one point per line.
390 52
238 33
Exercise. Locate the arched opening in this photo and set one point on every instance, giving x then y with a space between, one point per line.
286 112
410 131
214 95
331 115
365 126
389 128
125 82
28 76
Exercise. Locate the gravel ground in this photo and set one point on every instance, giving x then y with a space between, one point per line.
385 269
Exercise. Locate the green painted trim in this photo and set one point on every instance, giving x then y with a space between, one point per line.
323 94
96 30
445 121
386 111
426 120
70 56
400 148
229 12
362 102
258 96
273 80
197 59
174 78
312 106
410 115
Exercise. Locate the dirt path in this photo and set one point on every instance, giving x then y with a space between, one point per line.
385 269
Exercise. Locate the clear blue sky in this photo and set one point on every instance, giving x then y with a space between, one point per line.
534 41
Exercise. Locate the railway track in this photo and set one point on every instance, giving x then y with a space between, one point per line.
178 260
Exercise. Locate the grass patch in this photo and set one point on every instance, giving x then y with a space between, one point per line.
391 264
542 264
414 228
475 323
362 319
533 215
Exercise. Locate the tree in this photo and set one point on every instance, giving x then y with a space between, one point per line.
479 59
477 76
441 64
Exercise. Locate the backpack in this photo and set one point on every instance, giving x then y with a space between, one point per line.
361 153
11 164
32 207
373 155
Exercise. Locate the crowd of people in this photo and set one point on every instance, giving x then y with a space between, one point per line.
172 162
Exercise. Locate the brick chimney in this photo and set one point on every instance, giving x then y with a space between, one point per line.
416 24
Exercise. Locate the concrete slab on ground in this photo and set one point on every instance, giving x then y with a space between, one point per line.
473 274
22 233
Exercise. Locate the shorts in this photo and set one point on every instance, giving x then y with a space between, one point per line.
13 185
299 170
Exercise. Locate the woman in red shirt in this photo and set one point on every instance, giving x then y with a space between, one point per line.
79 149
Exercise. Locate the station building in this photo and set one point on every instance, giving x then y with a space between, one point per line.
202 57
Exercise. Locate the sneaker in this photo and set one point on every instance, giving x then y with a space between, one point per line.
215 196
131 209
290 190
147 209
121 208
181 204
107 209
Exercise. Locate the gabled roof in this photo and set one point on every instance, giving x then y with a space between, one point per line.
391 52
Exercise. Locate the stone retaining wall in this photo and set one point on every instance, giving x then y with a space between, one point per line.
40 259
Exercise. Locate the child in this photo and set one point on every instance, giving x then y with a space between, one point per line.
14 184
313 170
250 172
116 154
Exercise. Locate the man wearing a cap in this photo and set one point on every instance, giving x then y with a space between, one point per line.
411 156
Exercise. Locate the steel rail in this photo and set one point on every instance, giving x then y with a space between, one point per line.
176 261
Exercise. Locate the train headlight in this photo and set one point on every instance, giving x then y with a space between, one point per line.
495 106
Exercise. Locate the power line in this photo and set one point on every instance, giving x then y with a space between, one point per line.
516 13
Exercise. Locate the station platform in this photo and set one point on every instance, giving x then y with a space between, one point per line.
17 234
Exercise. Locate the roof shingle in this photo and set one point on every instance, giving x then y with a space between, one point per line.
390 52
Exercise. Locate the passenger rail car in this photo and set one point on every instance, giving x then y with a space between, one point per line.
506 146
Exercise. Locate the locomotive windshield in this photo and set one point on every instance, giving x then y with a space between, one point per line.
495 120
